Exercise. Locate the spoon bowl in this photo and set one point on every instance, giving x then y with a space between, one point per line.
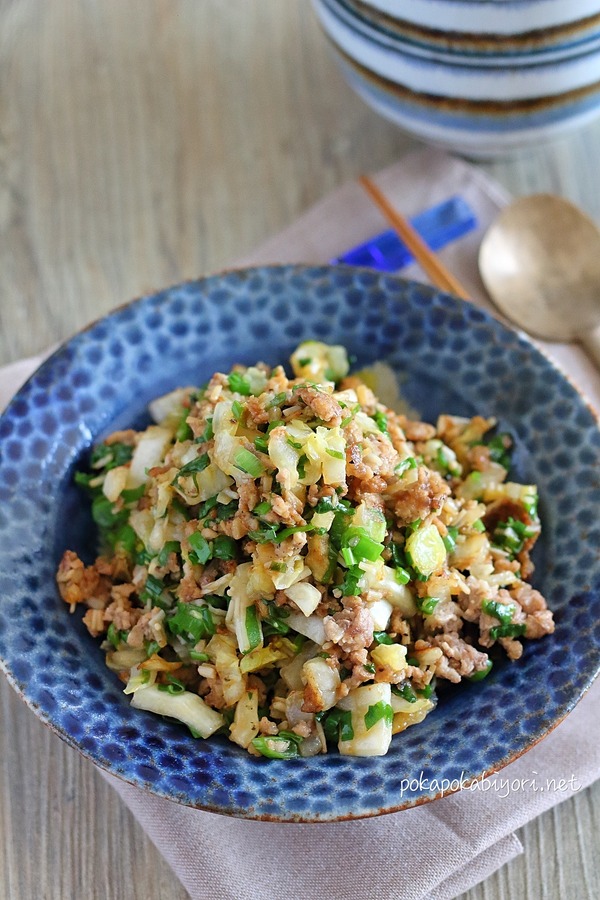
540 263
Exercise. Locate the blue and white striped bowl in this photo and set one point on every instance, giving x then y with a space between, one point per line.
499 17
471 47
482 104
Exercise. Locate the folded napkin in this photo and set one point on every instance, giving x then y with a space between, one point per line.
443 848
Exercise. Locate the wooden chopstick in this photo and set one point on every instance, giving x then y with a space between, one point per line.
427 259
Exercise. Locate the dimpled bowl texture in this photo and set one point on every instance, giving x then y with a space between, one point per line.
449 356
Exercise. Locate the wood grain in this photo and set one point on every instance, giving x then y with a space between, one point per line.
142 142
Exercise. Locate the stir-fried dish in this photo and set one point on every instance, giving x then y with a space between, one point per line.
291 564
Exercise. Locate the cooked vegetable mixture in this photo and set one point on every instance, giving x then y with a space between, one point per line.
294 565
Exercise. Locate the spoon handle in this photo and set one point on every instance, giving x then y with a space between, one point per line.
591 342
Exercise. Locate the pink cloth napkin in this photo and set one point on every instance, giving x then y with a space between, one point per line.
441 849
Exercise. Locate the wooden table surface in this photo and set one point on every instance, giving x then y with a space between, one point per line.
143 142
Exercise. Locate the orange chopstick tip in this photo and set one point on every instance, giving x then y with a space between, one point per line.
424 255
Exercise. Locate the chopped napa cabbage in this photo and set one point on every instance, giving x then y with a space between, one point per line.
245 720
374 740
470 550
320 362
149 452
306 596
381 613
138 679
167 410
221 650
291 672
187 707
382 578
392 656
284 457
407 717
200 486
115 481
256 378
310 626
239 616
372 520
261 658
322 681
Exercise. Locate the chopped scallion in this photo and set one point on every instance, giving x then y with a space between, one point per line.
224 547
247 462
427 604
238 384
378 711
405 465
508 630
382 637
201 549
479 676
275 747
501 611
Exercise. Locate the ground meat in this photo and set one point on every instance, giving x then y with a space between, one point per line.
94 622
356 661
238 526
365 396
214 697
502 564
315 492
380 455
141 630
291 546
478 457
420 498
358 490
249 496
214 388
538 618
120 611
322 404
287 509
188 589
215 569
256 411
352 628
370 467
78 583
278 381
419 677
171 567
416 431
303 729
105 566
514 648
445 617
472 612
470 603
128 437
265 726
459 660
400 626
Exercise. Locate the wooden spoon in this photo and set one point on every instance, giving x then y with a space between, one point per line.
540 262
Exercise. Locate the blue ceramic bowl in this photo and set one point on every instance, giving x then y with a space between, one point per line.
449 356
